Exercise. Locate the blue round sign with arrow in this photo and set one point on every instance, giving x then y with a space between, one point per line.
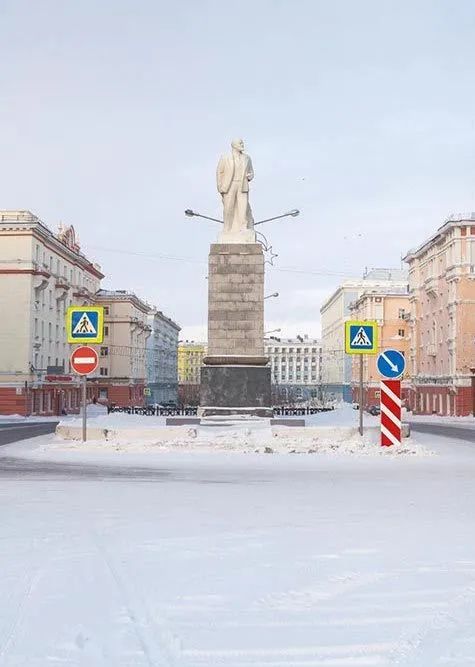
391 364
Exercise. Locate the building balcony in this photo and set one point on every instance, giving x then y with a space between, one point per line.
61 283
431 286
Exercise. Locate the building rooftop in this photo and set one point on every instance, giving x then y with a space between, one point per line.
374 277
452 221
66 237
123 295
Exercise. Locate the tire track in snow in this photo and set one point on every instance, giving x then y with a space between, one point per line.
334 586
435 636
159 645
7 640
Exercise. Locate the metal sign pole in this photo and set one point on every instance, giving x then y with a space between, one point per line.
84 408
361 395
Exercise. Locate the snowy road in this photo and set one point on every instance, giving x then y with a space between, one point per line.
13 432
460 432
233 560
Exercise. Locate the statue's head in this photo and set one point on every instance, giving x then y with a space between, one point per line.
238 144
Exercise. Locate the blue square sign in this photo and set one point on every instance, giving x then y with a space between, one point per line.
85 324
361 337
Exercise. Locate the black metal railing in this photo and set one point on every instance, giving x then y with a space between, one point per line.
189 411
295 411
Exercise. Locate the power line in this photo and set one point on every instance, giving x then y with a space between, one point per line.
193 260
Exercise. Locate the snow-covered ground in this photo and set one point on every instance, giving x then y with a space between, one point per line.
325 433
190 559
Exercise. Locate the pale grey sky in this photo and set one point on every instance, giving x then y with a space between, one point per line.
113 115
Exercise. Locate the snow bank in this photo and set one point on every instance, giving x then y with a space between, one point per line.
278 440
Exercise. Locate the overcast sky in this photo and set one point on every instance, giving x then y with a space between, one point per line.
361 114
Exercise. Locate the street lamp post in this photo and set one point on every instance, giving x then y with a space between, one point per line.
266 333
293 214
270 296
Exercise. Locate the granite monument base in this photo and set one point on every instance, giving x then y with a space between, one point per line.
235 390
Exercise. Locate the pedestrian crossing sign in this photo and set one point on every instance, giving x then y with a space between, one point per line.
85 324
361 337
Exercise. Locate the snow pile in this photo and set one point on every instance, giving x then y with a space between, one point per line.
278 440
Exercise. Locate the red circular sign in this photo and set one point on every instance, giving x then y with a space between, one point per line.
84 360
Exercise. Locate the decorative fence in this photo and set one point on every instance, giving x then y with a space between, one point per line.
283 410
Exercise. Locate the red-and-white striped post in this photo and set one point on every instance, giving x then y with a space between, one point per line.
390 412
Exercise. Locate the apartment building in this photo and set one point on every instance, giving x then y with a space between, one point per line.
122 356
335 311
162 359
442 321
41 274
296 367
190 360
390 309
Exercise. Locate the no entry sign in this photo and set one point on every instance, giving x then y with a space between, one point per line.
84 360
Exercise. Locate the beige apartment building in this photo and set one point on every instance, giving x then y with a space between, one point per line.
41 274
190 360
335 311
442 296
123 354
390 309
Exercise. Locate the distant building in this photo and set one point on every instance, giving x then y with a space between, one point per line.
122 361
442 296
295 367
190 360
336 365
41 274
162 359
390 309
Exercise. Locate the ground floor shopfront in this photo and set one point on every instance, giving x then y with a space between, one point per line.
120 393
425 399
448 400
43 398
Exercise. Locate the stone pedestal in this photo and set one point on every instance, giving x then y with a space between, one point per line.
235 375
235 390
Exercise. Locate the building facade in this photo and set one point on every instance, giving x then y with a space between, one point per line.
41 274
162 359
190 360
296 365
122 356
390 309
442 296
335 311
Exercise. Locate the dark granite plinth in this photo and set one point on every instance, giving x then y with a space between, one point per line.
228 390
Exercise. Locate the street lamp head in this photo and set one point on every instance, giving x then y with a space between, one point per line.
189 212
294 212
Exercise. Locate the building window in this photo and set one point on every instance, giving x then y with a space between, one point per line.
401 313
103 393
106 331
106 310
104 351
103 371
401 333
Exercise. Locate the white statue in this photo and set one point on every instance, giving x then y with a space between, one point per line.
233 175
